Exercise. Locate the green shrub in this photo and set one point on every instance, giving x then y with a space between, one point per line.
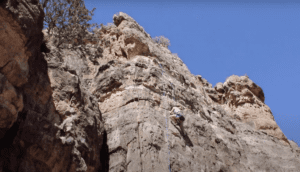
69 22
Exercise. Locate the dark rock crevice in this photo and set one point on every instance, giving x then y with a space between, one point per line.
104 155
11 152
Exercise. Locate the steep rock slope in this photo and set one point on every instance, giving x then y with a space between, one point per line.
244 100
137 82
32 136
50 117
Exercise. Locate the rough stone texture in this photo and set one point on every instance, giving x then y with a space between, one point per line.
135 83
244 100
138 82
46 125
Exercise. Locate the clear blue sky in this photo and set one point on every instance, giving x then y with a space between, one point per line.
217 39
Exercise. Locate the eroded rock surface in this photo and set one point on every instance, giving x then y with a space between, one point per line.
244 100
109 111
47 124
137 83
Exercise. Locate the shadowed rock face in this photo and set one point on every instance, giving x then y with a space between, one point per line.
41 129
56 123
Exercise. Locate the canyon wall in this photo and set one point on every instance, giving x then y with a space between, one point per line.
109 111
32 106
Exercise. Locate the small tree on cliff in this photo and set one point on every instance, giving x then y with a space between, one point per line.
68 24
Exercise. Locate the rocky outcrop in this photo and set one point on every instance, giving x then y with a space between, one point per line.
137 83
244 100
108 110
46 125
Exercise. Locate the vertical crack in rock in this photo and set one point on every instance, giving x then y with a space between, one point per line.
104 154
138 118
140 147
81 116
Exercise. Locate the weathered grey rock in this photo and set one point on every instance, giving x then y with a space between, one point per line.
134 82
295 147
130 88
244 99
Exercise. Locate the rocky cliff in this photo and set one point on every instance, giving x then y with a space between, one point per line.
109 111
244 101
35 128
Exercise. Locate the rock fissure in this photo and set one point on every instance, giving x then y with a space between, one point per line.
228 127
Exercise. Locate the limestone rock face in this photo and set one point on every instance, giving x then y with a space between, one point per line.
244 100
137 82
108 110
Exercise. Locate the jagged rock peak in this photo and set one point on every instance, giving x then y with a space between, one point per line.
244 100
126 21
108 110
244 81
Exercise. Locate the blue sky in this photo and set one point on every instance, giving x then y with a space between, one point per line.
217 39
